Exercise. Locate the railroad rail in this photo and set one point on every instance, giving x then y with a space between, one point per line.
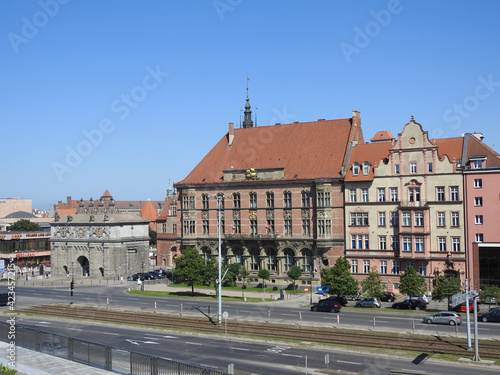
429 344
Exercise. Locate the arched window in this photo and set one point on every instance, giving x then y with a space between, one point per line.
272 262
207 253
238 256
254 260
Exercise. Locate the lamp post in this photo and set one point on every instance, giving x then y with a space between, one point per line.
219 284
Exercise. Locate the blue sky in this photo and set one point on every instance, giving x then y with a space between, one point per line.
130 95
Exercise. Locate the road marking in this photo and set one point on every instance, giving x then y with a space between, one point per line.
111 333
193 343
350 363
247 350
289 314
170 337
143 303
74 329
292 355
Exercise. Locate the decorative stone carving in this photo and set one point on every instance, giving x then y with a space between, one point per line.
306 214
270 214
287 214
204 215
252 215
236 215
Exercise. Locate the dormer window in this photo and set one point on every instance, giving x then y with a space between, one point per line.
366 168
355 169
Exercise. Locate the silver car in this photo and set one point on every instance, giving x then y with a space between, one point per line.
444 317
369 302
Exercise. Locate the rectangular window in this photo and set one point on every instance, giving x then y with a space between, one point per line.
454 219
359 218
406 243
419 244
381 219
360 241
478 219
381 195
253 200
364 195
429 167
354 266
395 243
270 226
440 193
164 227
237 226
382 244
352 195
355 169
288 228
305 199
367 241
287 199
478 183
395 267
406 219
396 168
353 241
478 164
419 219
413 167
204 202
306 227
323 199
414 194
394 218
422 268
479 237
270 200
253 227
383 266
366 266
478 201
174 228
409 264
366 168
172 211
394 194
440 219
454 193
455 241
236 200
442 243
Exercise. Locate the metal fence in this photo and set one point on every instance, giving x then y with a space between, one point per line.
101 356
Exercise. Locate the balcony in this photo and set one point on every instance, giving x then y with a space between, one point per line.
413 204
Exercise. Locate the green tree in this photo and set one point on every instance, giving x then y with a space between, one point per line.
152 237
244 273
339 279
231 272
294 274
264 275
411 283
490 293
445 287
373 284
191 268
24 225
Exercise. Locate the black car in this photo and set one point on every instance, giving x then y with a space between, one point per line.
340 299
388 297
327 305
413 304
492 316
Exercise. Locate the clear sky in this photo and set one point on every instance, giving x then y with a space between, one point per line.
130 95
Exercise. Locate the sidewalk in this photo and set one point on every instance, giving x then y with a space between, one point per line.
30 362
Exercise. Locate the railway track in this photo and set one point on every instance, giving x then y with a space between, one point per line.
428 344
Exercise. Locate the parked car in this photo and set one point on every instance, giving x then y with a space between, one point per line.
421 298
488 300
340 299
388 297
413 304
327 305
369 302
492 316
463 308
444 317
135 276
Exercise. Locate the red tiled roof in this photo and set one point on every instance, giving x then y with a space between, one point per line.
382 136
452 147
305 150
67 211
370 152
148 211
478 148
107 194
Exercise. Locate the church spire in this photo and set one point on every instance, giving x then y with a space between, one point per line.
247 119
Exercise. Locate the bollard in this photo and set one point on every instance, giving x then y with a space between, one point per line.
413 325
300 315
456 328
338 319
374 321
269 313
155 306
181 309
107 301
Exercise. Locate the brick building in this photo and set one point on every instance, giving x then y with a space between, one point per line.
281 190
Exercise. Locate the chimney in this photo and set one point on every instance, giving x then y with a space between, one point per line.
356 118
231 134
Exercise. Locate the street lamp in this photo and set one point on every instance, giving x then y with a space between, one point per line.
219 198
